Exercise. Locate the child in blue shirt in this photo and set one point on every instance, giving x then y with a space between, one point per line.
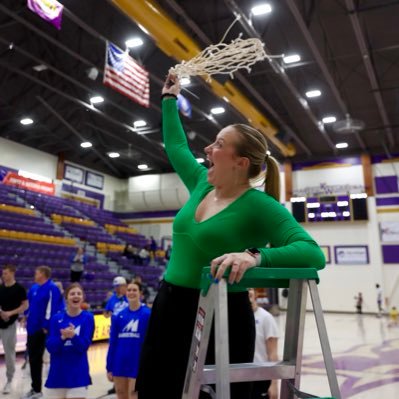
128 330
70 335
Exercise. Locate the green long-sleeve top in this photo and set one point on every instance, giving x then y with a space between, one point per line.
253 220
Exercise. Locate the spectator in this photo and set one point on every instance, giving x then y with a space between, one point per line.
78 262
379 300
70 335
62 300
153 246
168 252
144 255
106 299
145 293
359 303
13 301
118 301
393 317
127 334
44 300
265 348
131 252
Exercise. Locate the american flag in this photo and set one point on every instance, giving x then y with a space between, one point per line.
123 74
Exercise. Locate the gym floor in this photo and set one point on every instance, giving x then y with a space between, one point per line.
365 350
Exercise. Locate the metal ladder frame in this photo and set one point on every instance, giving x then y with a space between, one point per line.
214 303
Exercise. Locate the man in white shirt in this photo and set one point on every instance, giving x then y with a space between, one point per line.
265 348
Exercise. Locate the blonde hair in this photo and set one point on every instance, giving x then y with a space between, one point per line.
253 145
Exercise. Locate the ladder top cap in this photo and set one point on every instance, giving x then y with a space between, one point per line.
260 277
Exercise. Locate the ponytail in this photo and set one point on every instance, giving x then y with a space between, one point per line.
272 178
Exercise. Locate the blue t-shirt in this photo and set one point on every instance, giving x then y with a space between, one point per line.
116 304
128 330
69 366
44 302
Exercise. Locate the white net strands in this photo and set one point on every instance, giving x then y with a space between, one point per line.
223 58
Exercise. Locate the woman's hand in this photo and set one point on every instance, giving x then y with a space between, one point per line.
110 377
239 262
171 86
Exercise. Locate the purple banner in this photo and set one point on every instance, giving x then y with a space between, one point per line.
387 201
326 164
386 184
384 158
390 253
49 10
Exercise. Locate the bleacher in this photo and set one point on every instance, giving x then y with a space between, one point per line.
28 239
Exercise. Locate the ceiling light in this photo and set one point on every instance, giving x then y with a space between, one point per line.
143 29
313 93
261 9
40 67
134 42
298 199
142 166
217 110
86 144
139 123
268 152
341 145
26 121
113 154
96 100
200 160
185 81
329 119
289 59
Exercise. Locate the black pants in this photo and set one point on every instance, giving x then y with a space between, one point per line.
259 389
75 276
166 348
36 346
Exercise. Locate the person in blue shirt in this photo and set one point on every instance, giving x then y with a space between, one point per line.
70 335
128 329
44 302
118 301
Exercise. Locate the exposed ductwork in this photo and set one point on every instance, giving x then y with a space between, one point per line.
174 42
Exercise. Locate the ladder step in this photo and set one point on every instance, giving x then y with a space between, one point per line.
252 372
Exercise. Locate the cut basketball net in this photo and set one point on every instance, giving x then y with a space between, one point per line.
223 58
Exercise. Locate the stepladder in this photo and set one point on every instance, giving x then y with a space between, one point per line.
212 308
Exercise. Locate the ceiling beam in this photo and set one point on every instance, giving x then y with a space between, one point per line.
199 32
176 43
364 51
86 106
320 62
77 134
279 71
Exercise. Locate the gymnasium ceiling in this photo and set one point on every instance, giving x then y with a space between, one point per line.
349 51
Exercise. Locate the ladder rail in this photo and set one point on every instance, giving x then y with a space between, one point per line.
213 303
294 334
199 345
324 342
222 359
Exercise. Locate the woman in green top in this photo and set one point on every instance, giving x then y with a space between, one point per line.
225 224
